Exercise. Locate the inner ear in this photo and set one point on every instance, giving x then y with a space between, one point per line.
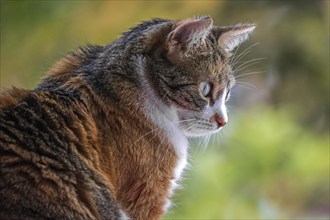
232 36
189 32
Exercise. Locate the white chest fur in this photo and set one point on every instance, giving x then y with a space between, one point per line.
178 141
180 145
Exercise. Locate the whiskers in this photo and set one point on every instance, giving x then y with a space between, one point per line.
249 74
203 142
245 85
246 64
238 66
209 141
237 59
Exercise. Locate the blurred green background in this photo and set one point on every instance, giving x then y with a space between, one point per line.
272 160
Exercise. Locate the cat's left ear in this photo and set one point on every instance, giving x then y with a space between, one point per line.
232 36
189 33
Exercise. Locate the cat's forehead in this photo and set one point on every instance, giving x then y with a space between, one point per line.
213 61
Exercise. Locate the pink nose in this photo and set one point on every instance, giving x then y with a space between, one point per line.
220 120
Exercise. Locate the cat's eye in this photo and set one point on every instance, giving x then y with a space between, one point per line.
205 88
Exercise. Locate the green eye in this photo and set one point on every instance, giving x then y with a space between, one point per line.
205 88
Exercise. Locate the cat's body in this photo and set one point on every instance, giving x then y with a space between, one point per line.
105 132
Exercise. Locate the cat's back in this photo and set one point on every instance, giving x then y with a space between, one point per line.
27 117
45 169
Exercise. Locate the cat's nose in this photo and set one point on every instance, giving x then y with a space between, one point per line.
221 121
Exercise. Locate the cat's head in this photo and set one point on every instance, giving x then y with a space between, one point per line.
194 75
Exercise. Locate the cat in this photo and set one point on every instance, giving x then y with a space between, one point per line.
105 133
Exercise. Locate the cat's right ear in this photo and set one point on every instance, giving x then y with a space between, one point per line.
189 34
232 36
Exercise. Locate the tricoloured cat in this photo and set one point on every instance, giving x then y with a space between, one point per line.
104 135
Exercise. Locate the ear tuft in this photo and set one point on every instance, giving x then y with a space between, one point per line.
232 36
190 32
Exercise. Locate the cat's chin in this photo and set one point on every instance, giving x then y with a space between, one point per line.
200 133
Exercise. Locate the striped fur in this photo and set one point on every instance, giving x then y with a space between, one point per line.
100 136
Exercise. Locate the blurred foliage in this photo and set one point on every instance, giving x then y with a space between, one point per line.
272 160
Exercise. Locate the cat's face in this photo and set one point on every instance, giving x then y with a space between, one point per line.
199 82
202 105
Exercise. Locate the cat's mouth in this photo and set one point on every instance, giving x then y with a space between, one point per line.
194 124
